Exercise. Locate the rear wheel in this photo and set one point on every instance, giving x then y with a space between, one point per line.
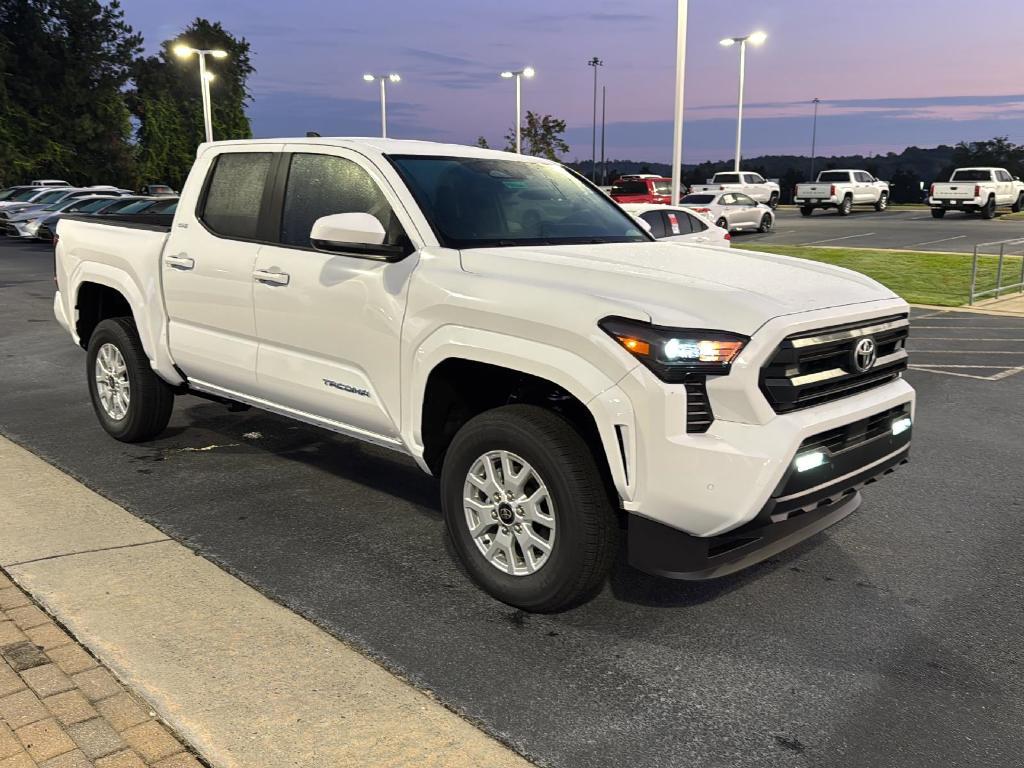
846 206
1019 205
773 200
723 223
938 213
883 202
131 402
806 211
527 508
989 210
766 223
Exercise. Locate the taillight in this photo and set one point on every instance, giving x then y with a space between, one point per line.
931 191
977 190
728 236
702 210
832 191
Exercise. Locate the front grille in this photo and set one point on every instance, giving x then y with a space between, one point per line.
12 231
698 408
817 367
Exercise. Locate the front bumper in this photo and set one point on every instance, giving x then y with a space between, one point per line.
803 504
21 230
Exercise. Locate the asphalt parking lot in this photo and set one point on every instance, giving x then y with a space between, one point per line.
893 639
913 229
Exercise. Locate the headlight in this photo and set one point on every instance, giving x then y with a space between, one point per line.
673 353
32 225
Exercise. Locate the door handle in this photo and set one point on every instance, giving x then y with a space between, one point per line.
271 278
179 261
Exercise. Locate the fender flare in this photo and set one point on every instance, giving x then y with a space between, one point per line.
149 316
608 405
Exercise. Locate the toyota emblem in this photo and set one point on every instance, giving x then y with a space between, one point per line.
864 354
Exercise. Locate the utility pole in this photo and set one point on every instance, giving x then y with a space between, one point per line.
595 63
677 134
814 135
604 101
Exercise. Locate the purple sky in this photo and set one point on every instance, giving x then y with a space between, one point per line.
890 73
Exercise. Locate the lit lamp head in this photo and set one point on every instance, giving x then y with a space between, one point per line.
219 54
507 75
529 72
183 51
394 78
369 78
210 77
727 42
757 38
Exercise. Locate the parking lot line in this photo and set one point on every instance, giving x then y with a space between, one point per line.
1004 373
836 239
957 338
932 242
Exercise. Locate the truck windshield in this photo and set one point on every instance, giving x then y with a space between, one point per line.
474 202
834 176
972 174
726 178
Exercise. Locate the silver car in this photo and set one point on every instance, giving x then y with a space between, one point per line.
732 211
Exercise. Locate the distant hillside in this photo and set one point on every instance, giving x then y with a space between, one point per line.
906 171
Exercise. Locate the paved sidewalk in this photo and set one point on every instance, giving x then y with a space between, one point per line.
59 708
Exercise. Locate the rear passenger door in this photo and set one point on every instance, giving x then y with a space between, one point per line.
329 324
207 268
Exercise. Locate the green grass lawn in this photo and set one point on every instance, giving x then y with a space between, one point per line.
920 278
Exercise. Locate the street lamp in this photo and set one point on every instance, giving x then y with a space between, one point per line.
184 51
595 63
814 135
677 135
526 72
383 80
754 38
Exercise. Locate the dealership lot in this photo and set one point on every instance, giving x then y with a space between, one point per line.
892 639
904 229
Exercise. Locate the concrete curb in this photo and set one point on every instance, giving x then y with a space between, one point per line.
246 682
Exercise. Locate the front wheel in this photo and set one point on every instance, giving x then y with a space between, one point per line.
1019 205
773 201
131 402
989 211
938 213
845 207
766 223
883 202
527 508
723 223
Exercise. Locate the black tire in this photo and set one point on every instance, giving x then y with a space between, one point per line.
806 210
1019 205
845 208
766 223
586 537
938 213
883 202
150 400
989 209
773 200
723 223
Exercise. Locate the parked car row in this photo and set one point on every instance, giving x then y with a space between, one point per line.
31 212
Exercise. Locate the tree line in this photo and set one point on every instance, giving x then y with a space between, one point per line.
80 101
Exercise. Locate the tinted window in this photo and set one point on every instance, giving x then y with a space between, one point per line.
235 193
697 199
656 221
630 188
833 176
89 206
474 202
753 178
319 185
662 187
1004 176
727 178
744 200
688 219
972 175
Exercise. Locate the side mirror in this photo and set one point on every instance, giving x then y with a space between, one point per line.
354 234
644 223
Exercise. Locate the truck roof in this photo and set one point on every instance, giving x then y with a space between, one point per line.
378 145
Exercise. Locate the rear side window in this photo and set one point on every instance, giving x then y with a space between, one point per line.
727 178
234 194
654 218
320 185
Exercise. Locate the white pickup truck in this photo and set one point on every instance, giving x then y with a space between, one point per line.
750 184
842 189
501 321
977 190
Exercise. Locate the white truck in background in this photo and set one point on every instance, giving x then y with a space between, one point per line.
750 184
842 189
511 329
977 190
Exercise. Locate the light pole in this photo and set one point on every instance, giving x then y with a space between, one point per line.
814 135
754 38
604 103
677 135
519 74
383 80
595 63
184 51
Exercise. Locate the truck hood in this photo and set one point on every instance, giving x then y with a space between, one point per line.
683 285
